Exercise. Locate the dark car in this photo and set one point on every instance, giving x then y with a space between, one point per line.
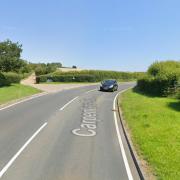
109 85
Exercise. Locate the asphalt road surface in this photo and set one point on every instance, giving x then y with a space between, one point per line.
70 135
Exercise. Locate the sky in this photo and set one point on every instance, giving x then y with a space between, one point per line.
122 35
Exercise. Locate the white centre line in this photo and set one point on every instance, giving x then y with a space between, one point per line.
68 103
21 150
90 91
128 170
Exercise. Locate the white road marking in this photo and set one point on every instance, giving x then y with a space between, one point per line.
90 91
32 97
89 120
68 103
120 140
21 150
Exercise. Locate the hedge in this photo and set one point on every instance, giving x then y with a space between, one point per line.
8 78
65 78
162 87
162 79
101 75
3 80
88 76
13 77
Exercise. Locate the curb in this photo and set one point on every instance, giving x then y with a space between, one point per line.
129 144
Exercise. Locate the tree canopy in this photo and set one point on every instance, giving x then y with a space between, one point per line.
10 56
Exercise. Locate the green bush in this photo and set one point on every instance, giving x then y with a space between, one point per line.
100 75
12 77
163 67
8 78
162 78
43 69
40 70
65 78
152 85
42 78
178 89
178 93
3 80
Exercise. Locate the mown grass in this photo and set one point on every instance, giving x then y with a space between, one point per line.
154 123
16 91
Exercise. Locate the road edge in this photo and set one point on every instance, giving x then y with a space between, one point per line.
130 145
134 155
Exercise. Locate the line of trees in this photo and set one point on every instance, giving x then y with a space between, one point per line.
13 68
42 68
10 60
162 78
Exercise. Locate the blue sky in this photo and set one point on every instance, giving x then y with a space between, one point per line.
124 35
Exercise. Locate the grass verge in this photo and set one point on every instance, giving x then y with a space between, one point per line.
16 91
154 124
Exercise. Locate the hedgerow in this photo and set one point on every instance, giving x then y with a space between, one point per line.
65 78
3 81
9 78
88 76
12 77
162 78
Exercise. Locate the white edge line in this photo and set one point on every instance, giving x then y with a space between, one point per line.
68 103
24 100
120 139
90 91
21 150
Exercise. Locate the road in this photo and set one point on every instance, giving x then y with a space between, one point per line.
70 135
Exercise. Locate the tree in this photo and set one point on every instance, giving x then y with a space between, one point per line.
10 56
42 68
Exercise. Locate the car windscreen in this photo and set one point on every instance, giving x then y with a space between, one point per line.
108 82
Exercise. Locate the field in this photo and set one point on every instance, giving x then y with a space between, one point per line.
154 124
